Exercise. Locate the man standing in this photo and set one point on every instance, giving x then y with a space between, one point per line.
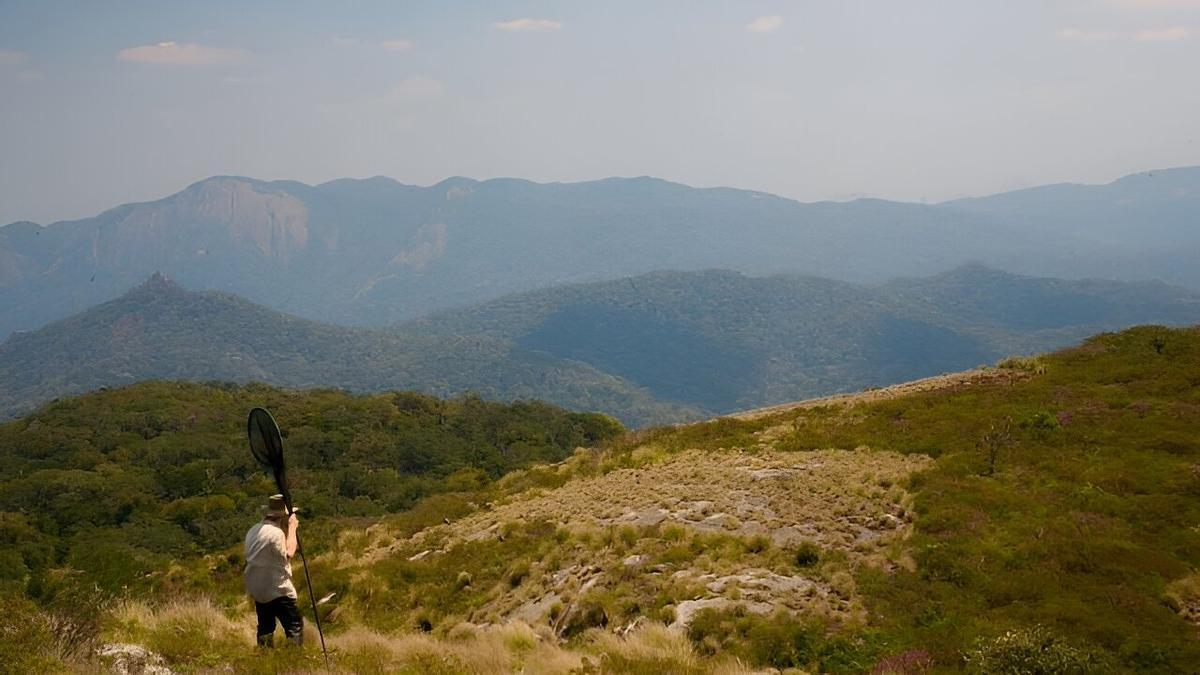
270 546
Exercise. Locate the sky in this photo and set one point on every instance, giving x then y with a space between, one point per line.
103 103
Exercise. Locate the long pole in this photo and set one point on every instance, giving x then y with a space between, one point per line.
311 597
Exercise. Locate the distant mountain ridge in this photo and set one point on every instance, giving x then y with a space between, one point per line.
376 251
660 347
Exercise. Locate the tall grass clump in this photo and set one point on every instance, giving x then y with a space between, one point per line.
1026 364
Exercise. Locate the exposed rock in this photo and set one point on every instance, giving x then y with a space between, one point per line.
687 610
815 496
131 659
535 609
420 556
768 474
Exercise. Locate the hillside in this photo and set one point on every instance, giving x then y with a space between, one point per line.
1038 516
663 347
120 483
160 331
723 341
375 251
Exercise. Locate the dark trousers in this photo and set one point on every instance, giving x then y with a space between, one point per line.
287 613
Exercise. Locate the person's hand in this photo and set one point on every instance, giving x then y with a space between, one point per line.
293 523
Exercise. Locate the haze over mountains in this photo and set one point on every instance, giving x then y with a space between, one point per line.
375 251
660 347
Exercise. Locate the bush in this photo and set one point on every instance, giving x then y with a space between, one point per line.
589 612
779 641
518 572
26 642
1026 364
758 543
1040 423
1031 651
912 662
807 554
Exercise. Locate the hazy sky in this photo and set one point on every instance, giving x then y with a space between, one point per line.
109 102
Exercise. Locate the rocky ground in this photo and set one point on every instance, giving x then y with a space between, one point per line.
847 504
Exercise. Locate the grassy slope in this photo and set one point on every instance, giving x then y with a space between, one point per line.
1091 513
1087 526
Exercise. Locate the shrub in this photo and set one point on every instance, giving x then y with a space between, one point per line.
807 554
518 572
1040 424
1026 364
779 640
758 543
588 613
912 662
25 639
1031 651
71 610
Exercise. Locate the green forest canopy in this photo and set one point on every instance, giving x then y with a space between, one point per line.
120 483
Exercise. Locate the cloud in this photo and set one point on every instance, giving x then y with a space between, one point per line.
1078 35
399 45
417 88
11 57
527 25
765 24
1159 4
1169 34
1163 34
175 54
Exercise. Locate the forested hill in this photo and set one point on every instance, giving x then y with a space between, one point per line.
663 347
159 330
121 483
724 341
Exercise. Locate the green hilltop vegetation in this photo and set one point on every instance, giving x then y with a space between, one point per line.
159 330
119 483
1040 516
658 348
375 251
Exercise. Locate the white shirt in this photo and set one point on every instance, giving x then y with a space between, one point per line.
268 571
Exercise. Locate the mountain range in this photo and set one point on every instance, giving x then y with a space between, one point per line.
375 251
655 348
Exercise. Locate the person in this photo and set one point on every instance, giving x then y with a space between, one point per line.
270 545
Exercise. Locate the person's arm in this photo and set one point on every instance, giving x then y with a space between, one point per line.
289 545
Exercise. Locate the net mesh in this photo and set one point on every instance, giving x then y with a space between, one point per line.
266 445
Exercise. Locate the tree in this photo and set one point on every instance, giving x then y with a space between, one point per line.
994 441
